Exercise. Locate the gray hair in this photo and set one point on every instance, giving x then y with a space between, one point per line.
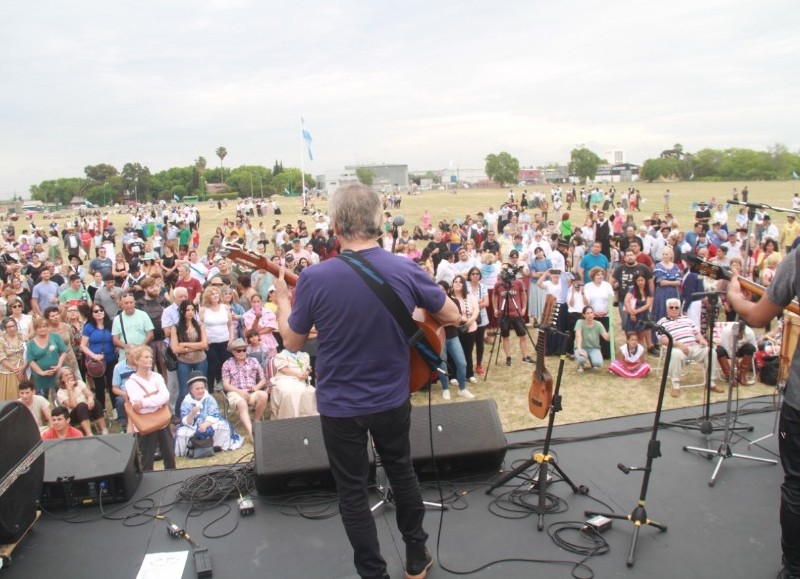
355 212
673 302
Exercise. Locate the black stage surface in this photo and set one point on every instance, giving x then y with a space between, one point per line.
730 530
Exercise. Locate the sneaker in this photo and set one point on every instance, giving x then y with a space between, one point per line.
508 361
466 394
418 562
675 392
479 370
446 394
528 360
453 382
580 368
473 379
654 351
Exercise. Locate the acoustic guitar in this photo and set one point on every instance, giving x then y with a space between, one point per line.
420 375
540 395
716 271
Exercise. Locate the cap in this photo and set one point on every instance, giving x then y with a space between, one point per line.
296 240
196 376
150 256
237 344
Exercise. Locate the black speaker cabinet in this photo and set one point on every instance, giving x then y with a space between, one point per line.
21 470
79 470
467 438
290 454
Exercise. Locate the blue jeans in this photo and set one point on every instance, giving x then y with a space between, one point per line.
595 357
455 356
122 416
184 370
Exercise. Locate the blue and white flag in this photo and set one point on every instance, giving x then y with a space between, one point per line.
176 198
307 138
794 175
691 176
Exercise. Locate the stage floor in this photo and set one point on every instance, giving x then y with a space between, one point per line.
730 530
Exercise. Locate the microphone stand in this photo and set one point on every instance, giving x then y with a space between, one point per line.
724 451
544 459
639 515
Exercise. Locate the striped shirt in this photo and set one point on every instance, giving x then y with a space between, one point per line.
683 330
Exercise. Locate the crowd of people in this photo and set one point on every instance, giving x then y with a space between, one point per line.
100 327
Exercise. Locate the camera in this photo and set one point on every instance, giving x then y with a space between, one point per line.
509 273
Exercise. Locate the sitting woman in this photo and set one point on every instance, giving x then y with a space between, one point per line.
200 414
587 340
75 396
630 363
291 395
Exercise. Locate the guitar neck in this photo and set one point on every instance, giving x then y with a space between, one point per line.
760 290
246 257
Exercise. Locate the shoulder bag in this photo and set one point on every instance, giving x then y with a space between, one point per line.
152 421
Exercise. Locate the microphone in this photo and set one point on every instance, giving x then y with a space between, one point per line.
398 221
750 205
653 326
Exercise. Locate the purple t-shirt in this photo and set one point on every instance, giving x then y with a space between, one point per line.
362 354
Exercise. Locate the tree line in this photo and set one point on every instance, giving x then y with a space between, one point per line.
104 184
777 163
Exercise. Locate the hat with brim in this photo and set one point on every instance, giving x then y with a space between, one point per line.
75 257
237 344
196 376
150 256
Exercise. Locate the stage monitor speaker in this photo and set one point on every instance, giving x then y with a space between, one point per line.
290 454
21 470
467 438
78 470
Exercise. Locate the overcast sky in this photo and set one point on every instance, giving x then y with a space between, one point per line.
432 84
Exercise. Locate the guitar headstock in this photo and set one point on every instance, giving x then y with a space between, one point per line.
702 267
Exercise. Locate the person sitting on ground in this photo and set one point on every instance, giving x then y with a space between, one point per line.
587 340
291 394
38 405
244 382
630 363
200 414
59 426
74 395
689 344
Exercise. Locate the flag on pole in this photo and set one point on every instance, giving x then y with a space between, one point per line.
307 138
794 175
691 176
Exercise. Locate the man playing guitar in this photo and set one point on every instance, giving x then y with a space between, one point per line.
363 373
783 289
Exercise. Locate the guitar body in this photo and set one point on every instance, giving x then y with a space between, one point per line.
540 396
420 371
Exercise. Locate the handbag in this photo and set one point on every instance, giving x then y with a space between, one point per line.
201 445
170 359
95 368
150 422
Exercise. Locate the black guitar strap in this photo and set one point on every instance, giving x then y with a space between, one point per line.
414 334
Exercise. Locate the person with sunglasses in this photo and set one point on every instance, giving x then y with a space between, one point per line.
24 321
688 344
97 343
245 382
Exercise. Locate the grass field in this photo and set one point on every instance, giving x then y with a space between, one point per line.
587 396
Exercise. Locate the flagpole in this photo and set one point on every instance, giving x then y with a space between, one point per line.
302 167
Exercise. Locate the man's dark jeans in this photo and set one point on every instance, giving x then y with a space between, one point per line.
789 445
346 442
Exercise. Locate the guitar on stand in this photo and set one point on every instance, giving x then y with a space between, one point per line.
542 396
428 327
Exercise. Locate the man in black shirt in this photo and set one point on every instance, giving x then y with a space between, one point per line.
153 305
491 244
438 247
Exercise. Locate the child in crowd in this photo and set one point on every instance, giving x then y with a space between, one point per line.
630 363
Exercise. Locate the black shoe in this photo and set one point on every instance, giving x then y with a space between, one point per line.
418 561
528 360
508 361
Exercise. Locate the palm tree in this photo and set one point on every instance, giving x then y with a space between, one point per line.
222 152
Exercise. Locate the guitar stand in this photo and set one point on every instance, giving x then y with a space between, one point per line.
724 451
385 490
639 515
544 459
